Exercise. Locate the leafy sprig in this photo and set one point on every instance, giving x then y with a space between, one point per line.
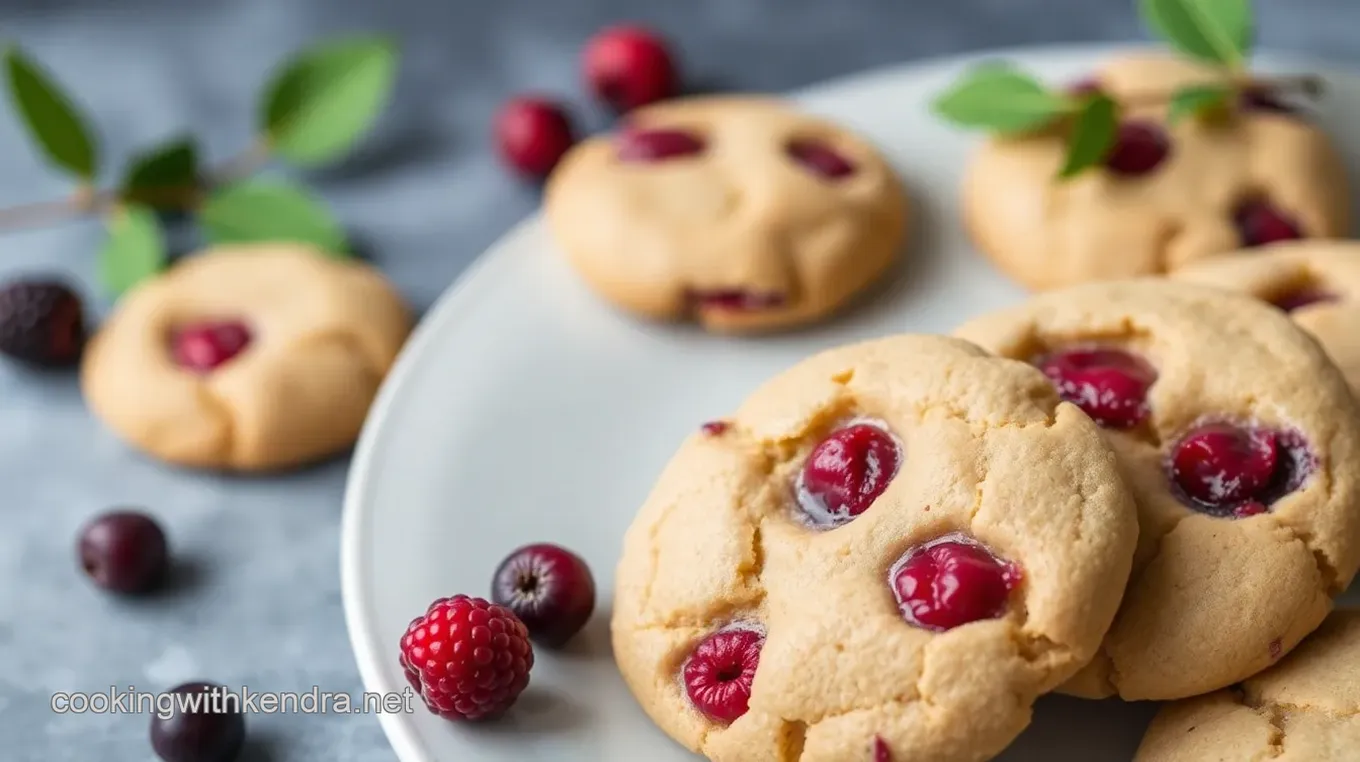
315 108
1003 100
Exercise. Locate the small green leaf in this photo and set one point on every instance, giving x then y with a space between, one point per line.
1215 31
1001 99
327 97
1093 134
170 166
134 251
270 210
50 116
1198 100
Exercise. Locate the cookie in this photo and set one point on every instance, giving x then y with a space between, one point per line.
1235 434
1306 709
1316 282
1167 196
246 357
740 212
891 548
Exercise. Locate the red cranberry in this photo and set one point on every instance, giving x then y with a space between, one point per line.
1227 470
950 582
628 66
644 146
846 472
715 428
1138 149
1259 222
533 134
124 551
820 159
203 347
734 299
549 588
882 752
204 725
719 673
1303 297
1110 385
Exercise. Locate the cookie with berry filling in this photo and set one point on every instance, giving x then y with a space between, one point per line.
1235 434
1305 709
740 212
246 357
1165 196
889 551
1316 282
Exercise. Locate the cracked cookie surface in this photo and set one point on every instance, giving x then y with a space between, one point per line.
982 572
1263 174
738 211
246 357
1249 524
1305 709
1316 282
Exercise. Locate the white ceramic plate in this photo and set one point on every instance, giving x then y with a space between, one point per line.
524 409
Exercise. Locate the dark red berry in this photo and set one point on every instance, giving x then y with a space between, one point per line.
124 551
1227 470
1259 222
204 347
205 724
1110 385
1139 148
533 134
1303 297
549 588
42 323
846 472
734 299
715 428
468 658
820 159
719 673
882 752
951 582
646 146
628 66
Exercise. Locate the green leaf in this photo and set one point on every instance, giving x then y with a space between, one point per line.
50 116
327 97
170 166
1001 99
134 251
1215 31
1093 134
270 210
1199 100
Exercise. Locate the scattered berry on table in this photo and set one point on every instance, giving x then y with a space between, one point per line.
533 134
124 551
203 726
42 323
549 588
468 658
628 66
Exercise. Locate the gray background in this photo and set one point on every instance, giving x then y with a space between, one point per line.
259 601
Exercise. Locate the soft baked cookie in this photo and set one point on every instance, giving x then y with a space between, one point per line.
1167 195
1316 282
1238 439
1306 709
246 357
888 552
739 211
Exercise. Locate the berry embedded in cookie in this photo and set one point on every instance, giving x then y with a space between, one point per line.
740 213
1246 513
203 347
801 585
1139 148
1259 222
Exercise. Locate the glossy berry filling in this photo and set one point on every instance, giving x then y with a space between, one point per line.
719 673
1110 385
204 347
1259 222
846 472
1303 297
715 428
645 146
1139 148
950 582
734 299
1227 470
820 159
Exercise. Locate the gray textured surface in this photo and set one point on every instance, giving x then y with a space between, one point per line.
262 605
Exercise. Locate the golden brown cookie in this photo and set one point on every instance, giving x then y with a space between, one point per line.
894 545
246 357
1236 435
1167 196
1306 709
1316 282
738 211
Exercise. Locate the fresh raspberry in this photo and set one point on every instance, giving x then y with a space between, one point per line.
467 657
42 323
719 673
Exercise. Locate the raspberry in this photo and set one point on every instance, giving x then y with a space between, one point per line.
719 673
467 657
42 323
